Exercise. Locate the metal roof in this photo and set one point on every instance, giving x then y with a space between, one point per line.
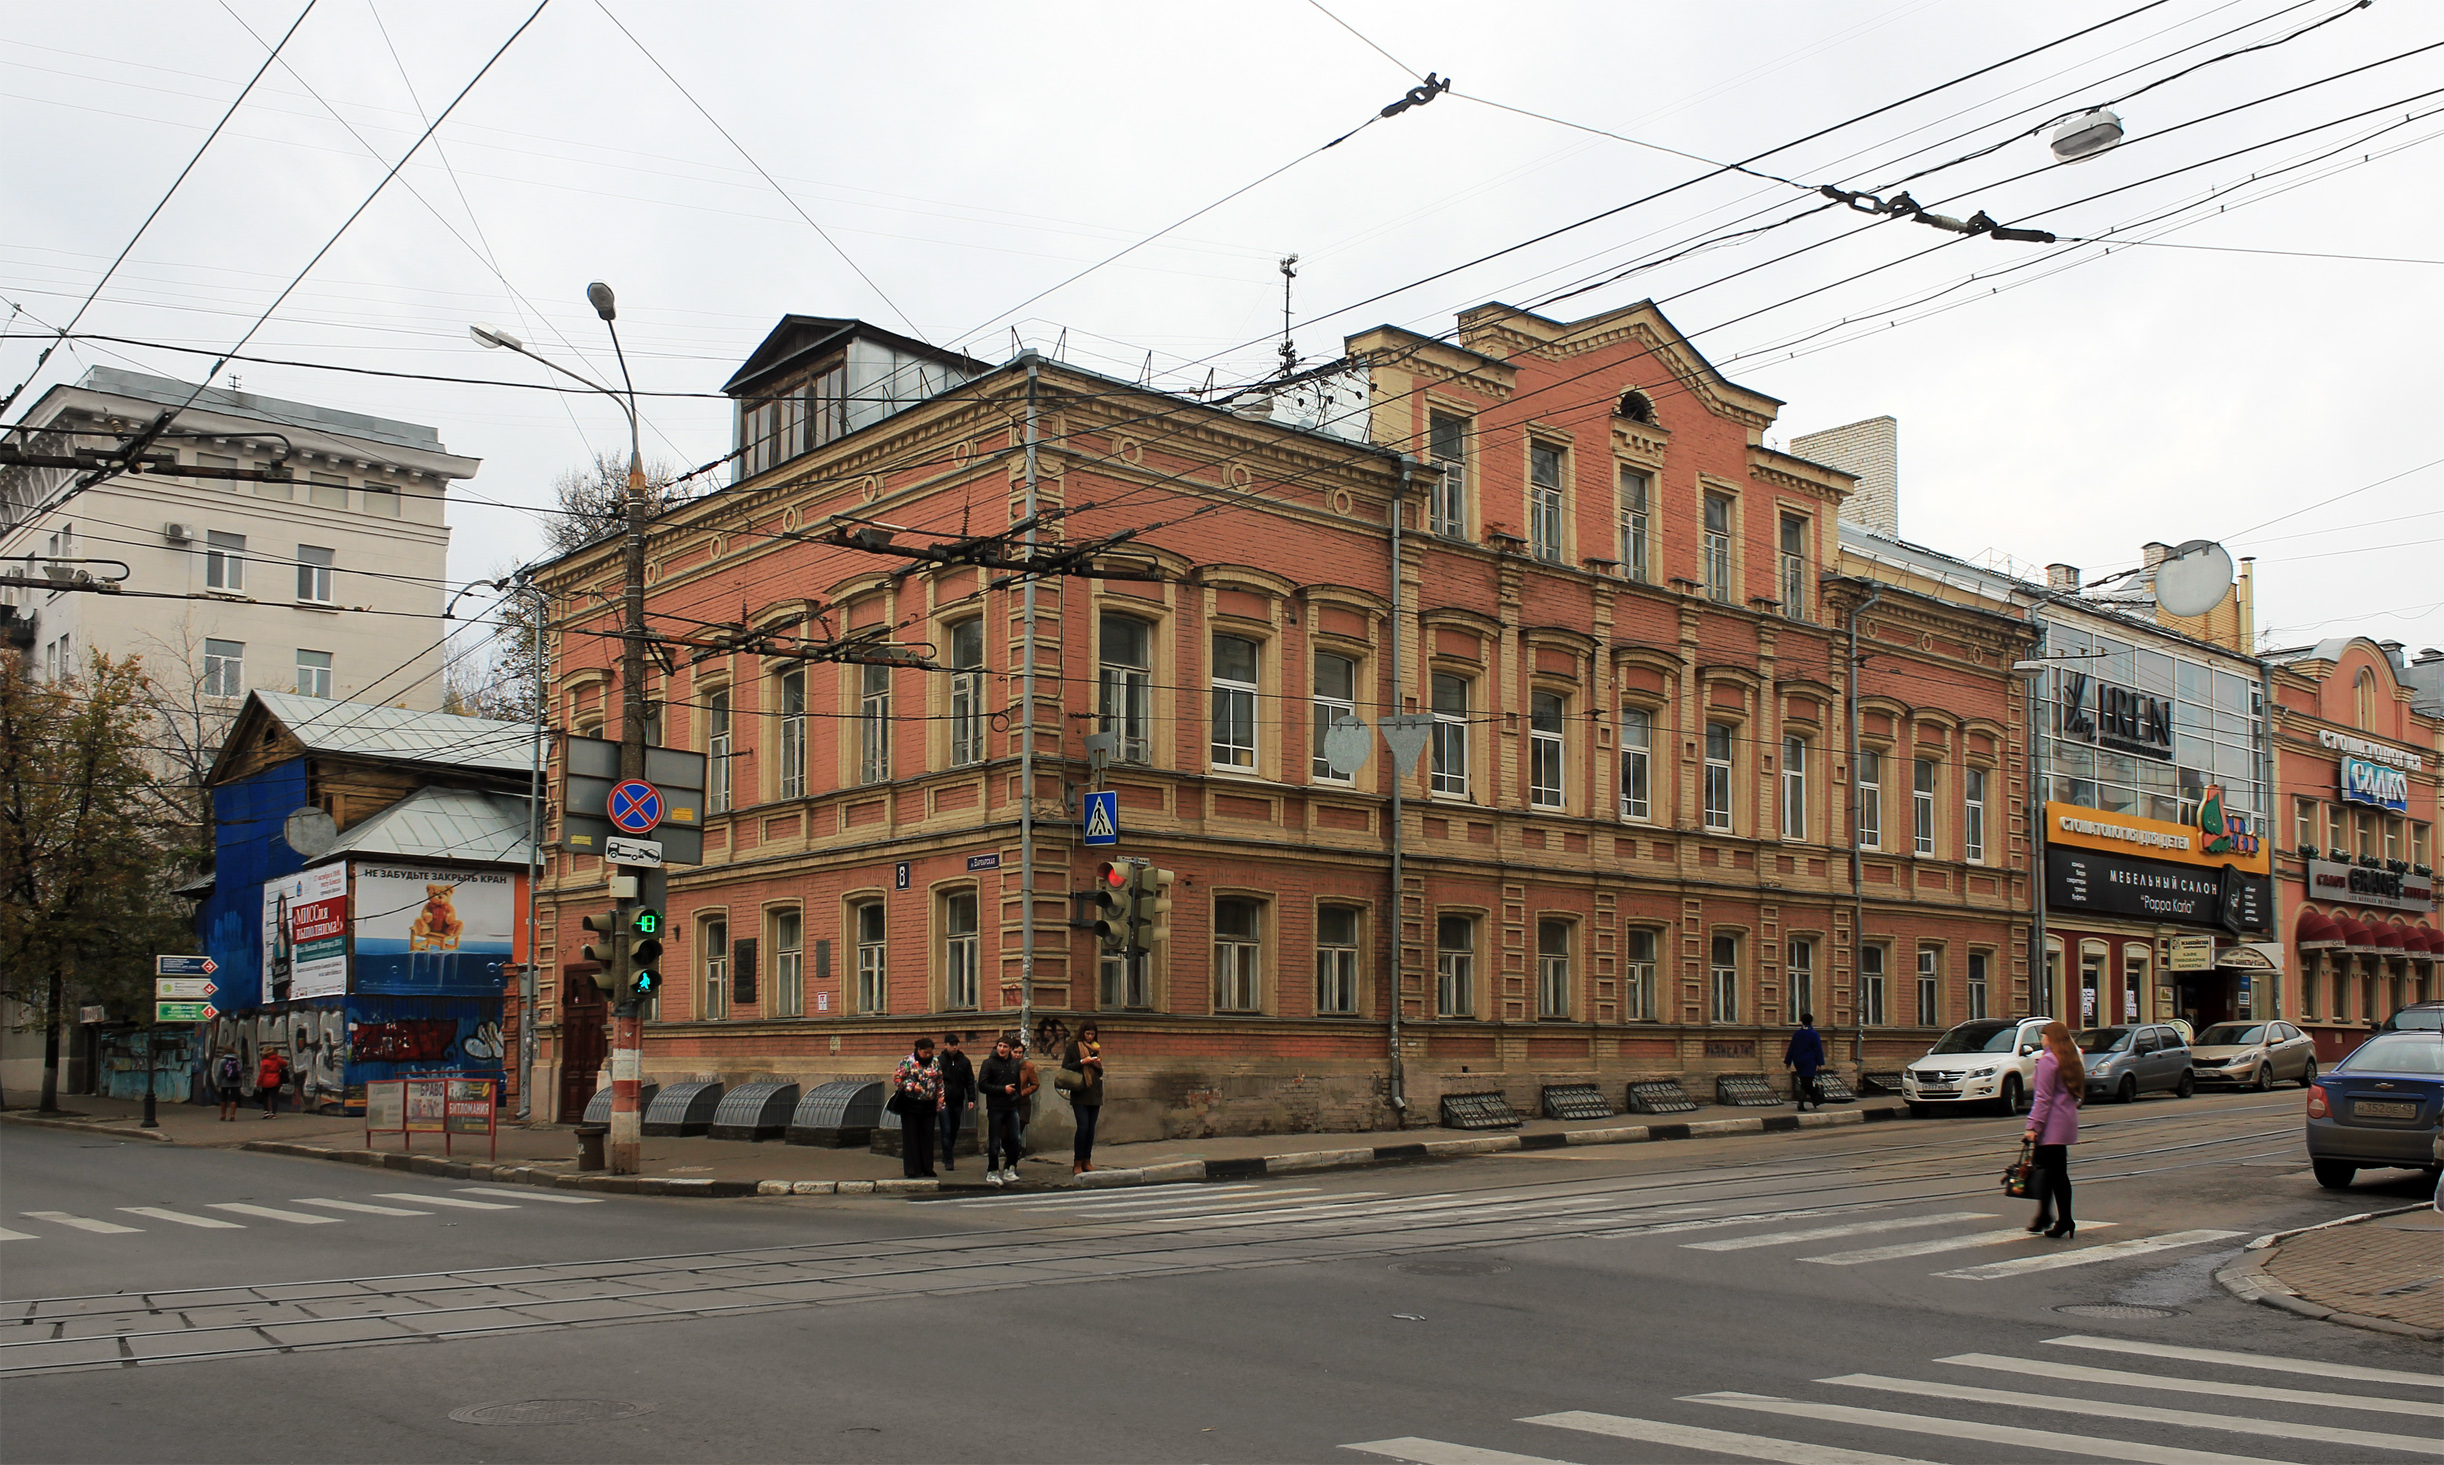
163 391
366 730
445 824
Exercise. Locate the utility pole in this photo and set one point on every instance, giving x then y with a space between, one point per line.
627 1138
1026 749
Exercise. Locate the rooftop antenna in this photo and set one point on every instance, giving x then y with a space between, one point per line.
1289 352
1145 374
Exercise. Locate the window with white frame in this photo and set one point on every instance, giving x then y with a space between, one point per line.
328 490
873 724
1450 770
1639 994
225 562
1545 502
1635 487
717 750
1238 951
1973 815
224 668
873 956
788 995
1718 775
1794 556
1977 984
1723 980
1124 982
1447 503
1870 795
313 673
792 735
967 705
1128 685
1455 966
1794 788
1922 774
1234 702
314 574
959 950
1871 971
1715 548
1336 695
1546 715
716 974
1336 960
1637 762
1553 969
1799 976
1930 986
826 413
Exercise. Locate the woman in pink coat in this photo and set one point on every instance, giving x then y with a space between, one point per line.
2053 1126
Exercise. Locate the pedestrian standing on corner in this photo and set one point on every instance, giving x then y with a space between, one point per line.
958 1095
1084 1059
270 1074
999 1079
229 1077
1804 1056
2053 1127
918 1086
1028 1082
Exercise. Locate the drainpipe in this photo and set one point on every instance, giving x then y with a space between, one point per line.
1858 879
1398 1075
2040 976
2267 822
1026 751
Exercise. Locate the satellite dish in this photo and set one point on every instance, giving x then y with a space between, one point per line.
2194 578
310 832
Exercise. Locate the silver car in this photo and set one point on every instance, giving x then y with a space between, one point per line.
2254 1055
2124 1063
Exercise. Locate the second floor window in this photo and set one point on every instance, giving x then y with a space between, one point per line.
1637 762
1544 502
224 668
717 751
792 750
1794 548
1234 702
1794 788
1336 960
1973 815
225 562
1553 969
1450 774
873 957
1715 550
1718 775
1336 695
967 694
1455 966
313 673
1447 505
1237 973
873 724
314 574
1128 685
959 950
1634 487
1922 805
1870 799
1545 718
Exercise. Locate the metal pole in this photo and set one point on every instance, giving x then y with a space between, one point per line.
2040 972
528 986
150 1120
1026 751
1858 880
626 1150
1396 1071
2266 824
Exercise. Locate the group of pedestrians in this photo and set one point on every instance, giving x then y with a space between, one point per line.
934 1090
272 1073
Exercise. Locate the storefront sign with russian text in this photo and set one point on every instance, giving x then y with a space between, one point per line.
2156 839
2359 885
2374 784
2117 885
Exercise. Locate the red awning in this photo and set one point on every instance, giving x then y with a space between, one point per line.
2315 928
2387 935
2353 932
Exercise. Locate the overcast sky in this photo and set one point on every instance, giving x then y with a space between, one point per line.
2056 402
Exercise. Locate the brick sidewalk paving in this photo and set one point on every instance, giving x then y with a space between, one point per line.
2391 1267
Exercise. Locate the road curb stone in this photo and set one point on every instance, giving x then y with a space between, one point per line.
81 1126
2249 1278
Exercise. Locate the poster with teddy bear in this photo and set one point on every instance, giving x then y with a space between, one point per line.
431 929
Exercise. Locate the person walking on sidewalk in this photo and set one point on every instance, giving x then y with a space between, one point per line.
2053 1127
958 1095
228 1077
1804 1056
999 1079
270 1074
1084 1059
918 1085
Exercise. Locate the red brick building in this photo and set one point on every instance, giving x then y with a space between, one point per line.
1626 850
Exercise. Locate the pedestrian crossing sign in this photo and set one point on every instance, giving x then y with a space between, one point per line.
1103 817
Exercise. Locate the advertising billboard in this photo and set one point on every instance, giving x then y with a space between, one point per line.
305 950
433 931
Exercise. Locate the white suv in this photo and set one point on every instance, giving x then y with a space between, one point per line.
1990 1061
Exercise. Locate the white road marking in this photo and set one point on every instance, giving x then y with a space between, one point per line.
2186 1418
1436 1452
533 1193
2083 1256
81 1223
1929 1248
444 1200
182 1218
270 1213
1240 1206
8 1235
2122 1378
358 1206
1827 1233
1717 1441
2357 1372
2043 1441
1074 1198
1177 1200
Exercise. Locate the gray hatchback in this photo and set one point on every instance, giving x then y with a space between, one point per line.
2124 1063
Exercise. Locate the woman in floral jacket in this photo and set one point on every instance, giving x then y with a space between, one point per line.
918 1088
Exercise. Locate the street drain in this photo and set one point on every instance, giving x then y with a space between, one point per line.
549 1411
2118 1310
1453 1266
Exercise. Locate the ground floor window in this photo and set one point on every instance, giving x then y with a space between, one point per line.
1639 998
1455 966
1723 980
1871 986
1977 984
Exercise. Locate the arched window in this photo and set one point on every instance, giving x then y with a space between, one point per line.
1635 407
2364 696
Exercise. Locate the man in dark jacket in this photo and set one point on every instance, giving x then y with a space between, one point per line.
1803 1057
1001 1079
958 1095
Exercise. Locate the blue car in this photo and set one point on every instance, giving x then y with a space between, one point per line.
2379 1108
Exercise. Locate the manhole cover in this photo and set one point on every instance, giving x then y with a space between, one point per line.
2118 1309
549 1411
1450 1266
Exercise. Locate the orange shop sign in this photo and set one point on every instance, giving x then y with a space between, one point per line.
2157 839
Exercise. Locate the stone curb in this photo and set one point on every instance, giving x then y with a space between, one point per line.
87 1127
2247 1278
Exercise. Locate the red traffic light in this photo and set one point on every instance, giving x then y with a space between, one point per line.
1113 873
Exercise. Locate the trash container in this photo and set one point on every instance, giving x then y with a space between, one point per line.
590 1146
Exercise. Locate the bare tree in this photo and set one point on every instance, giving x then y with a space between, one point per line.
593 500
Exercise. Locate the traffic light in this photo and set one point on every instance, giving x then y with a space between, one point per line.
1149 905
610 954
644 973
1112 904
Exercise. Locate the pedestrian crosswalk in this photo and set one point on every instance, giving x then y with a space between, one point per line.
239 1215
2118 1413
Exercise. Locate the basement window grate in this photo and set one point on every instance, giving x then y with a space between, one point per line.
1745 1091
1575 1101
1660 1096
1479 1111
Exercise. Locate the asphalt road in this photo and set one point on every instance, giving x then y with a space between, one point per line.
1828 1297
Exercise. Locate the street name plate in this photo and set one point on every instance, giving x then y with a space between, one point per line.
184 1012
184 966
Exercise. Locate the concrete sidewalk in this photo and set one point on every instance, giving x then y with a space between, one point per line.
546 1154
2384 1270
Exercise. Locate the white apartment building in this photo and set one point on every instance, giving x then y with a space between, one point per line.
330 585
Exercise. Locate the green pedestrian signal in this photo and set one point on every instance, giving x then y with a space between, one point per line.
648 922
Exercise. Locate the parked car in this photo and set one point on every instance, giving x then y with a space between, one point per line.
2379 1108
2253 1055
2127 1062
2427 1017
1987 1061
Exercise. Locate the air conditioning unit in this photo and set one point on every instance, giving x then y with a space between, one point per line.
178 533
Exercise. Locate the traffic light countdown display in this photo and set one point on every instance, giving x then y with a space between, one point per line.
642 976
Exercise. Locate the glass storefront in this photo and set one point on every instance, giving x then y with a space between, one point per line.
2215 722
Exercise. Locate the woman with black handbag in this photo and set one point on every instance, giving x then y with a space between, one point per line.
916 1097
1081 1078
2053 1127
